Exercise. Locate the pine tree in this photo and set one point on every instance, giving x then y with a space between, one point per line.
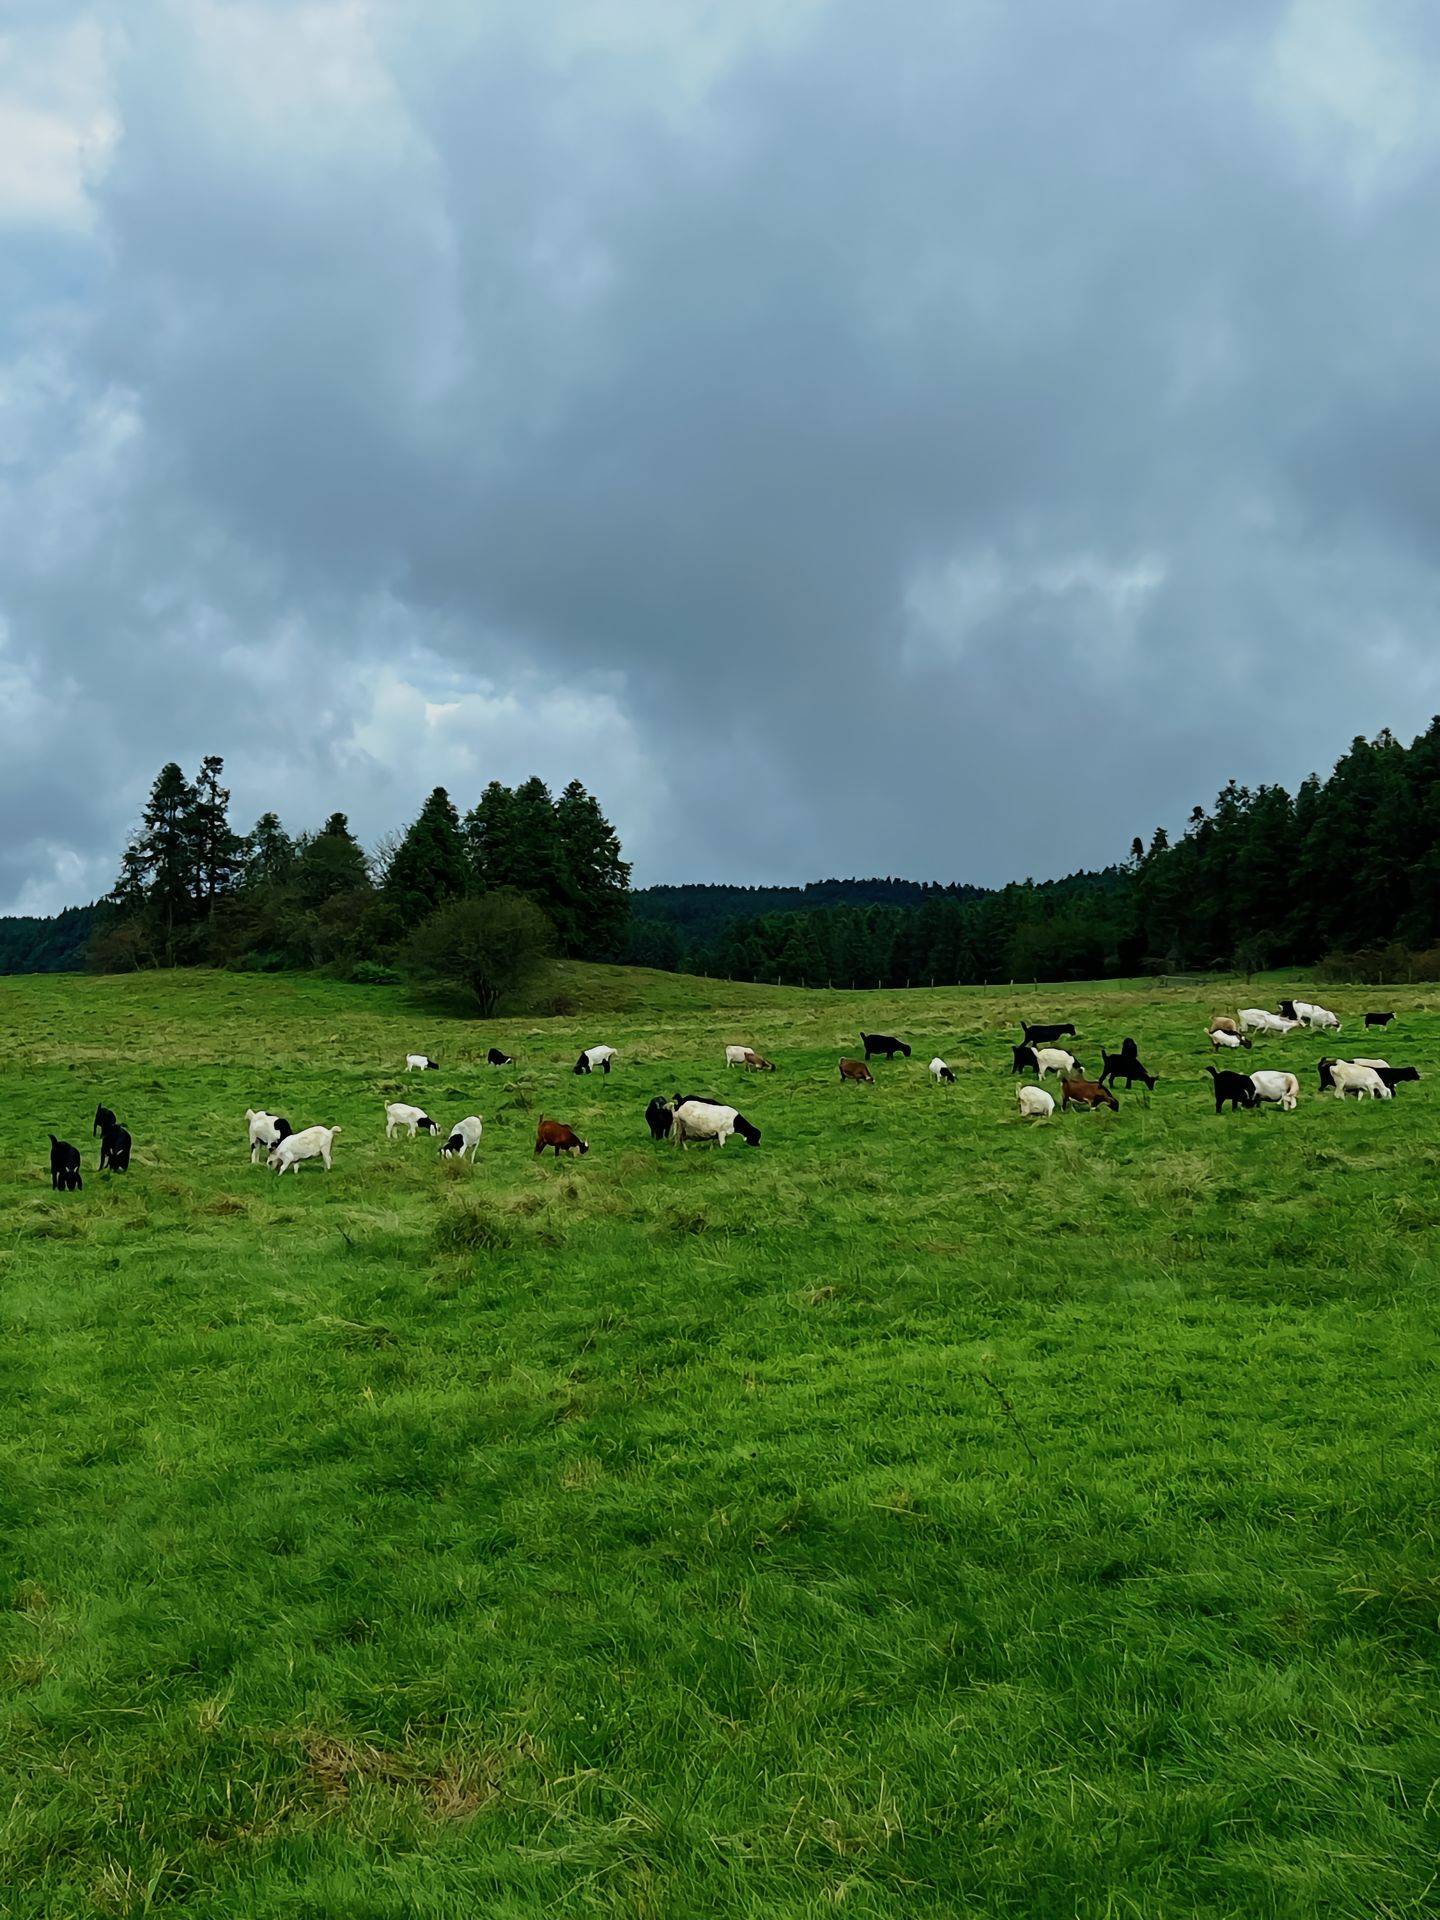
430 865
538 858
597 878
490 838
163 861
216 849
269 853
330 863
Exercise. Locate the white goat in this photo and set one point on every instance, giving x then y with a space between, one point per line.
1035 1103
1222 1037
940 1072
464 1138
593 1057
397 1114
705 1120
1364 1082
1277 1088
315 1143
265 1131
1054 1060
1319 1018
1258 1020
421 1063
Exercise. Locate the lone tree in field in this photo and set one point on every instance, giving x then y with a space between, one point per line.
489 944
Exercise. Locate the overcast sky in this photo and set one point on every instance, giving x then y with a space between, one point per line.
942 440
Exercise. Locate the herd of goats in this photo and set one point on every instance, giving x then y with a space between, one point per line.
691 1117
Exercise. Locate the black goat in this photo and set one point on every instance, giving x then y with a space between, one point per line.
1125 1066
1237 1088
64 1166
659 1118
1378 1019
1024 1060
495 1058
115 1150
1044 1036
882 1043
1394 1076
103 1118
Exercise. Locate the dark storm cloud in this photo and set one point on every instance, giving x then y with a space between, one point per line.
943 444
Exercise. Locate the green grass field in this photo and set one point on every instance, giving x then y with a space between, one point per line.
929 1513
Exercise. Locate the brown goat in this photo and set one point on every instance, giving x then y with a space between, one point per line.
856 1070
550 1133
757 1063
1087 1093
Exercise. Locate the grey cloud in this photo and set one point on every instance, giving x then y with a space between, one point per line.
965 442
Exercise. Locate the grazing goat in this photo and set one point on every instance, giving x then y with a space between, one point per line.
1032 1035
1257 1020
1056 1060
939 1072
1023 1059
1319 1019
1221 1037
1237 1088
856 1070
115 1150
1395 1076
266 1130
594 1057
1287 1009
397 1114
103 1118
1086 1093
1276 1088
709 1120
495 1058
1364 1082
659 1118
314 1143
421 1063
748 1058
464 1138
1378 1019
64 1166
1125 1066
550 1133
1326 1083
1222 1023
1035 1103
885 1043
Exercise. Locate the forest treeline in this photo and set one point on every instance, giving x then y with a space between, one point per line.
192 891
1345 872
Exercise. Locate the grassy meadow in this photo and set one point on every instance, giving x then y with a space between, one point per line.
927 1514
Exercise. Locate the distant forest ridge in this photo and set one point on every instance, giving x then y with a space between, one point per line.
703 909
1344 873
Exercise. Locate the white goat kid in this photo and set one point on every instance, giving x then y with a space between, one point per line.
398 1114
1035 1103
464 1138
264 1131
315 1143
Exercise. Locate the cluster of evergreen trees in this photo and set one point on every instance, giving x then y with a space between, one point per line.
1346 871
192 891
